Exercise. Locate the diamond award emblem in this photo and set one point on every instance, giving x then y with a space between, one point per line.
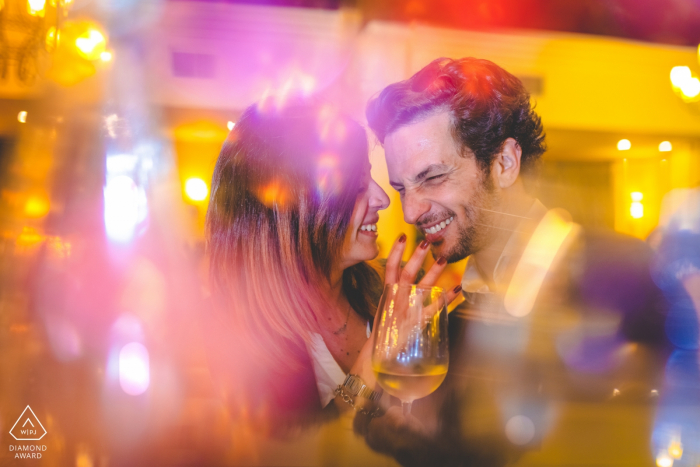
28 427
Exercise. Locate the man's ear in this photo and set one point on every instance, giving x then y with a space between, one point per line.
506 165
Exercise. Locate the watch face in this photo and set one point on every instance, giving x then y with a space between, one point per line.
354 384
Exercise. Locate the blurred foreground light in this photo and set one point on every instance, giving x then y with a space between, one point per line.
121 208
91 44
624 145
665 146
520 430
22 116
36 7
134 371
534 265
679 75
119 164
230 125
196 189
106 56
664 460
637 210
637 196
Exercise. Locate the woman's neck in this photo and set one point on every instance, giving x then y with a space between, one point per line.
335 292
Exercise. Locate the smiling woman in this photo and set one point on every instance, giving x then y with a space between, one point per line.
290 226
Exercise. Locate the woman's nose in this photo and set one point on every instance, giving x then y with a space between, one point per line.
378 198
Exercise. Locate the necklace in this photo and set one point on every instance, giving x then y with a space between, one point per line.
344 327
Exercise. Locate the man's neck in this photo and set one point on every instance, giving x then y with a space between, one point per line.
512 210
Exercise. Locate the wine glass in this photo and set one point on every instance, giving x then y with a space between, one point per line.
410 354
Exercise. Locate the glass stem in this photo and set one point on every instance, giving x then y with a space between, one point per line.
406 406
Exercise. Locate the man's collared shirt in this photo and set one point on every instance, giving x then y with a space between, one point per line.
522 266
472 280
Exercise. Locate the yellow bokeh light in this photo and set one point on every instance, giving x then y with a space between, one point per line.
29 237
36 206
665 146
22 116
106 56
624 144
664 460
36 7
52 38
91 44
679 75
637 196
675 450
637 210
196 189
691 88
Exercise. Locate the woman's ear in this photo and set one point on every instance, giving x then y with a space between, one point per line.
506 166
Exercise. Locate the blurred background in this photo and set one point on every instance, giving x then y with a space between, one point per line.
112 114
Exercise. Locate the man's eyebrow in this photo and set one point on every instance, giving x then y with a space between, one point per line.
427 171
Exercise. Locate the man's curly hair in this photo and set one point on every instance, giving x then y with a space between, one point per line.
488 105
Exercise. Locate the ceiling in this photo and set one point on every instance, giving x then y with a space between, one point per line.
661 21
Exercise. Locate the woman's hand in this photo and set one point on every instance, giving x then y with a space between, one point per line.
395 274
405 276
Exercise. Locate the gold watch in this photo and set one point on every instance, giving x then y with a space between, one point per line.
354 385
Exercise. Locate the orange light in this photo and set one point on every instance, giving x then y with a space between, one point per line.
274 193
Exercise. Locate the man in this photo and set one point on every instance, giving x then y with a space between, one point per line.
462 144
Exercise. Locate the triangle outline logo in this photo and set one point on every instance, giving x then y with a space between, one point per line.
22 417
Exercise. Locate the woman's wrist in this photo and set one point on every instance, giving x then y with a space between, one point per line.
354 392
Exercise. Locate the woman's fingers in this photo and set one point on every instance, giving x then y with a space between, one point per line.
453 293
410 270
393 261
443 301
433 273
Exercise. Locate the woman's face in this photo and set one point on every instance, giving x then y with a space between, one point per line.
361 237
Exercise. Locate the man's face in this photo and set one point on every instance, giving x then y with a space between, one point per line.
443 193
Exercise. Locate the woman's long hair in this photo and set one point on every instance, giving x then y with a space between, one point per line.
283 193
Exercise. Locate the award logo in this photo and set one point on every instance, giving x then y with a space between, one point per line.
28 427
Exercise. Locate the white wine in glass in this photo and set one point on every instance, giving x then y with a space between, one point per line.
411 355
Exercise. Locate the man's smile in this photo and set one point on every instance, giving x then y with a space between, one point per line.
435 230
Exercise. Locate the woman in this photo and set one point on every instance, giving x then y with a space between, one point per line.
290 227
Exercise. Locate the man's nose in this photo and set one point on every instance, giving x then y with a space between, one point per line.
414 206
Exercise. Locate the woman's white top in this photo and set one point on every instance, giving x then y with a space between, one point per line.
327 371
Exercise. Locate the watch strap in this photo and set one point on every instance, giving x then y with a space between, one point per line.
354 385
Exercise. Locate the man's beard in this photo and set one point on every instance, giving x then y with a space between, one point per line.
479 229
